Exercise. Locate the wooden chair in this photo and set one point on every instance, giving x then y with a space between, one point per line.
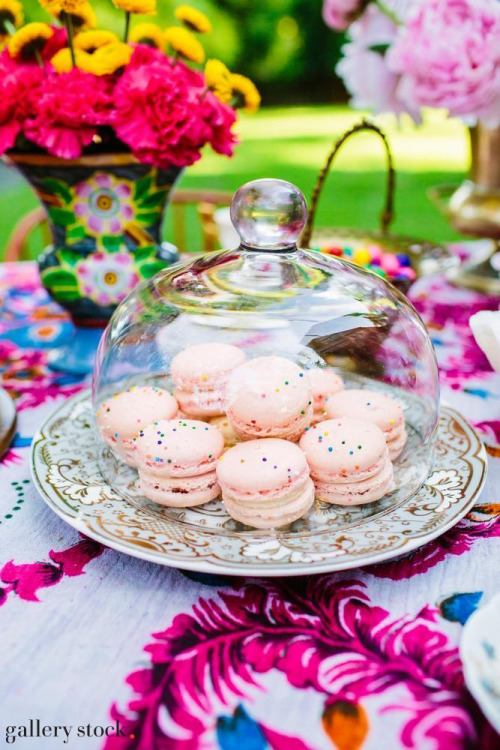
205 202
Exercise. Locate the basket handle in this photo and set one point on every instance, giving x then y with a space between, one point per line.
387 214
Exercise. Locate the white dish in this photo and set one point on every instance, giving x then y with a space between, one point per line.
480 653
65 469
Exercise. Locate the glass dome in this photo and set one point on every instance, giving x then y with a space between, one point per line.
268 297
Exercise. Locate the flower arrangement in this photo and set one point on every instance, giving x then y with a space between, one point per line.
409 54
68 88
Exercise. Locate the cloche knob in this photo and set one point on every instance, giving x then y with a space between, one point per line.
269 214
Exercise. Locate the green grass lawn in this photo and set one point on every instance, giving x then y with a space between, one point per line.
292 143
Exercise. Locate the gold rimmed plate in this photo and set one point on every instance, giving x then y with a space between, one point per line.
66 470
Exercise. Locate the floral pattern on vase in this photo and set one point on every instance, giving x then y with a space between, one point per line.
106 278
104 204
105 217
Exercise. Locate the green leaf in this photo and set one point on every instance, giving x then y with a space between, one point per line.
147 270
154 199
66 295
111 242
141 253
148 218
142 187
59 277
75 233
58 188
381 49
61 217
68 256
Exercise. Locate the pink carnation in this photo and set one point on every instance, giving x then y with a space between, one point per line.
364 66
162 113
449 56
57 41
17 82
66 111
339 14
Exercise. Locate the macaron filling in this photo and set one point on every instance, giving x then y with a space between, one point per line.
342 475
364 491
271 496
278 514
290 430
180 492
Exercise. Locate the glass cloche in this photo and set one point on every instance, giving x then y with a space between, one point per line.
269 311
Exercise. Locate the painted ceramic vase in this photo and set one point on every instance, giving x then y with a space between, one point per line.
105 213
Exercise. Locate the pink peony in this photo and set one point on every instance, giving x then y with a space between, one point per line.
66 110
448 54
163 114
364 65
339 14
17 83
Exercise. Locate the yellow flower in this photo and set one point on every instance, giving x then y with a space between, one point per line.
26 43
62 62
83 18
51 6
90 41
245 92
146 7
217 78
185 44
148 33
55 7
110 58
194 19
71 6
11 13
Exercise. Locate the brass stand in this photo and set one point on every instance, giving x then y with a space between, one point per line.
474 209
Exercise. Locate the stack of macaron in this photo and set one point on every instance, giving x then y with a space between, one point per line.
269 397
121 417
376 408
265 483
176 460
200 374
265 433
349 461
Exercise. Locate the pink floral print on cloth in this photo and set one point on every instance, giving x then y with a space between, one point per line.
463 368
324 635
483 522
24 580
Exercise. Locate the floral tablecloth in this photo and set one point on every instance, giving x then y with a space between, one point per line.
95 643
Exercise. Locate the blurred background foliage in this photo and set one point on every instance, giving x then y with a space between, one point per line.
282 44
287 49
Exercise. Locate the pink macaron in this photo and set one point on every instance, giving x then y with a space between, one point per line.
269 397
324 383
177 459
374 407
265 483
200 374
120 418
349 461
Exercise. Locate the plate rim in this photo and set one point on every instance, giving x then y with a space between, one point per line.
267 569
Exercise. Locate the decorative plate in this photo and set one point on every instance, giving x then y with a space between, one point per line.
65 468
480 653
